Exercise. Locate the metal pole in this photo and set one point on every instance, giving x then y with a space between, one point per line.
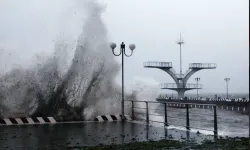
197 84
249 120
166 114
180 61
187 117
180 43
147 115
227 79
122 84
197 90
215 121
133 117
227 89
122 52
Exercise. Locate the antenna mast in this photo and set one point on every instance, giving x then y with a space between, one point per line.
180 42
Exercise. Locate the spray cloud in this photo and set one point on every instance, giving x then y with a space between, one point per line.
75 82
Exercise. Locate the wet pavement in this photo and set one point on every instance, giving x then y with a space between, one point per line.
87 134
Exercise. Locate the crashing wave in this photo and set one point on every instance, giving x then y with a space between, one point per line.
80 92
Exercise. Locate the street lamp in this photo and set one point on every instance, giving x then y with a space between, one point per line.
122 52
197 79
227 80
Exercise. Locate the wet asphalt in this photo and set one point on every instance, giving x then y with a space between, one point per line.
64 136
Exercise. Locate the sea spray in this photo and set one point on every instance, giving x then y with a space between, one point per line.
87 88
75 82
146 89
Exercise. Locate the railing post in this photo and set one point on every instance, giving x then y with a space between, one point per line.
249 120
147 115
187 117
166 114
133 117
215 121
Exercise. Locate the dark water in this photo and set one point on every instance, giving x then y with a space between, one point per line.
230 123
63 136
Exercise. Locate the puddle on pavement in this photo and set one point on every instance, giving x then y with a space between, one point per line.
87 134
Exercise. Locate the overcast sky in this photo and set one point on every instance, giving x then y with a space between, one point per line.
215 31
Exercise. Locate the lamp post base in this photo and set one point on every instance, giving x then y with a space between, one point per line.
123 118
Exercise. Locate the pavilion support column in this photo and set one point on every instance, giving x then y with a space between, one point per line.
181 93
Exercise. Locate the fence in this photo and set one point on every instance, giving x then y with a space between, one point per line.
157 64
145 110
202 65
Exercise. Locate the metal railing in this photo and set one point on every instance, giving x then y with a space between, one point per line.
157 64
187 106
175 86
168 85
202 65
212 99
189 85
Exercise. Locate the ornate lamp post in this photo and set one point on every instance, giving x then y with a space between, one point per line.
122 52
227 80
197 79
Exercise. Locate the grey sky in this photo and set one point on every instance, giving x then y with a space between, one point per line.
215 31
